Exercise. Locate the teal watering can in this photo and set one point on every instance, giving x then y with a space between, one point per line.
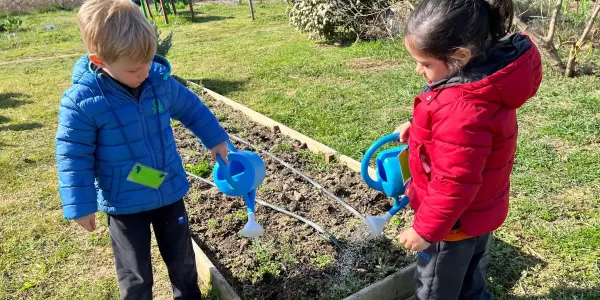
393 175
241 177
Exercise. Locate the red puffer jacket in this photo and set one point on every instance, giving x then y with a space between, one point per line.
465 129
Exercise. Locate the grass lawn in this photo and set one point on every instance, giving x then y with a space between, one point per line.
345 97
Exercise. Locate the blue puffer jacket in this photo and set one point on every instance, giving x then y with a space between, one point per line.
103 131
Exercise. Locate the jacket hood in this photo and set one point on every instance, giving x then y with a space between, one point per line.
84 72
509 72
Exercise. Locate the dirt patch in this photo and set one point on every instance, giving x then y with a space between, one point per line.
292 260
24 6
34 59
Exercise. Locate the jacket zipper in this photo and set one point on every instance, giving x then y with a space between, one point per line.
146 140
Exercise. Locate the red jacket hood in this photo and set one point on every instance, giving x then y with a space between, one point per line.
509 72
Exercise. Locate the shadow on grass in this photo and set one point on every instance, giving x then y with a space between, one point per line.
507 265
223 87
199 18
12 100
21 126
565 294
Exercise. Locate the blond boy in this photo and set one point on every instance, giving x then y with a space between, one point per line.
115 149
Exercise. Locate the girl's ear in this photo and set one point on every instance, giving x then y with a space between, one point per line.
96 60
462 56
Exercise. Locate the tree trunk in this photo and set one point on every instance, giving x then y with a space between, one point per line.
164 9
570 70
546 44
174 8
251 10
547 48
149 9
191 8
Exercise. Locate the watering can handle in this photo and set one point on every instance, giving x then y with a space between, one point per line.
364 166
224 165
225 171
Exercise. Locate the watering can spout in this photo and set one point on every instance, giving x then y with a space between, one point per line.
252 229
241 177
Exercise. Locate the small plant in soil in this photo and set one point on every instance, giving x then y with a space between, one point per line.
202 169
241 216
283 148
266 254
397 222
267 188
221 117
212 224
323 261
317 164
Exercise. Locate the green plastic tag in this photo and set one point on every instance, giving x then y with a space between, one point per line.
146 176
403 158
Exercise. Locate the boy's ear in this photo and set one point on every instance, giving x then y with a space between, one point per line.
96 60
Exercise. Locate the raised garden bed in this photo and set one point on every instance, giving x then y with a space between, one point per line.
292 260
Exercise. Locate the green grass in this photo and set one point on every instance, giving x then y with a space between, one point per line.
345 97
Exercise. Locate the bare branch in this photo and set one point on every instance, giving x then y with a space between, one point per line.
552 29
536 37
561 44
570 70
548 48
590 24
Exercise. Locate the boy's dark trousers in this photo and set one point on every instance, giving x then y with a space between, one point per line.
451 270
130 238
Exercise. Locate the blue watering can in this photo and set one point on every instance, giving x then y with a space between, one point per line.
241 177
393 175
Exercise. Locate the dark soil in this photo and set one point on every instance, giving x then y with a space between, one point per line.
291 260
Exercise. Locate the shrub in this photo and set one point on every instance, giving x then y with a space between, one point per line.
164 45
10 24
343 19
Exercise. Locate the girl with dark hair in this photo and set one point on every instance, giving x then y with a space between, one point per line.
463 136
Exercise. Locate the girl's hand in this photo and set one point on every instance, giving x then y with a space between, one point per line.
221 150
404 130
88 222
413 241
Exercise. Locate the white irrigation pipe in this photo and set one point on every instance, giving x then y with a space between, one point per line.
312 224
310 180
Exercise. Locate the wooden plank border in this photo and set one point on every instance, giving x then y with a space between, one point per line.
210 277
399 285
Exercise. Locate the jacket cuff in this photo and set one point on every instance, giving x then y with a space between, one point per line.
76 211
214 141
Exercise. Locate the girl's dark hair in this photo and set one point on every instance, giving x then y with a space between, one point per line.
439 27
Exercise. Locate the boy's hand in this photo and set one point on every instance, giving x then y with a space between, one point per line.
404 130
221 150
88 222
413 241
